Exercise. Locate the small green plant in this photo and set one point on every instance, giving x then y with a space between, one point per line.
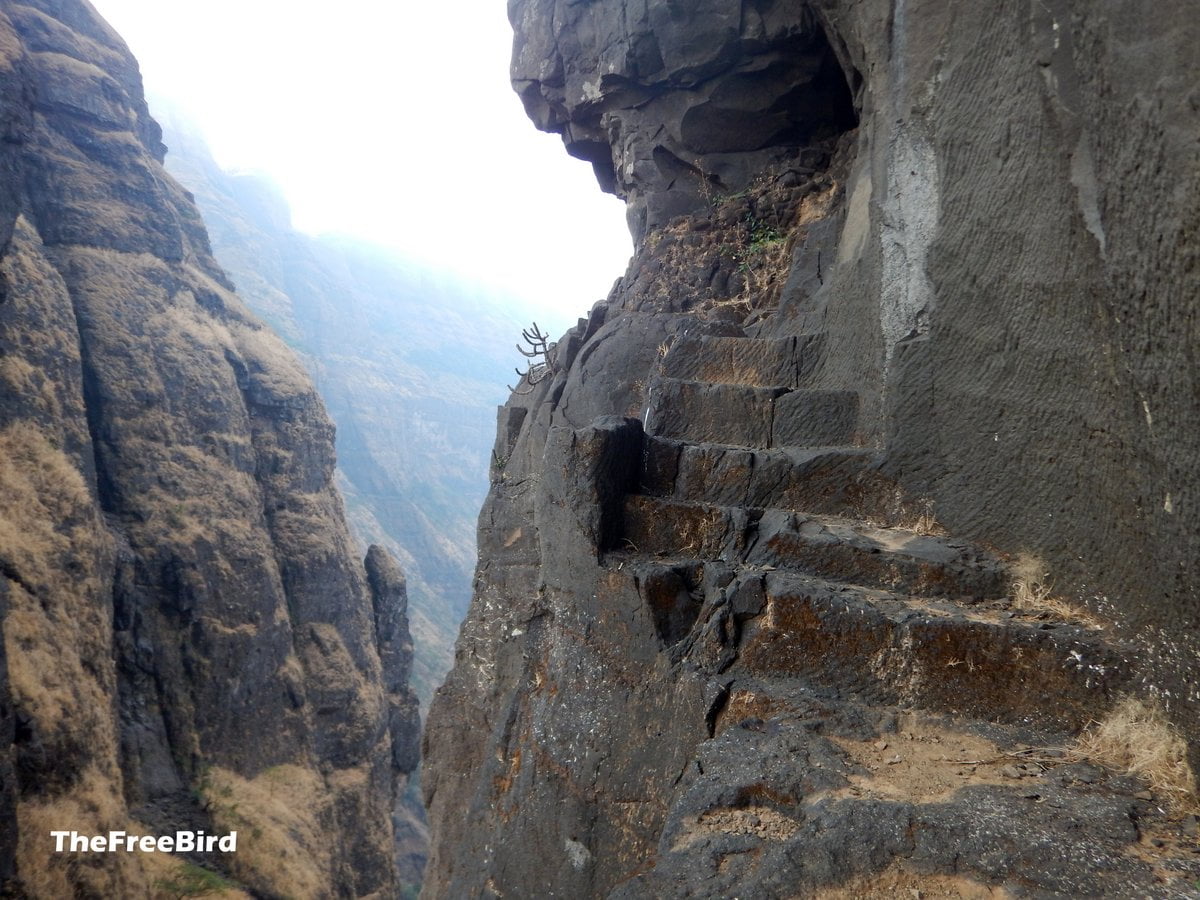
192 881
762 235
718 200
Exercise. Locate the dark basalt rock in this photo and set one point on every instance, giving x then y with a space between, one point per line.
670 102
389 599
190 640
912 308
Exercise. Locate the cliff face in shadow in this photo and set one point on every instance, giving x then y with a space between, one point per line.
410 365
190 638
911 318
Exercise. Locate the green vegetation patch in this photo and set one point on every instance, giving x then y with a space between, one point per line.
191 880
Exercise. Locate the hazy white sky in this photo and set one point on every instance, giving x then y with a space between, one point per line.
392 121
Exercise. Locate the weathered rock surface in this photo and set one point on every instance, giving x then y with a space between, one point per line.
189 638
911 311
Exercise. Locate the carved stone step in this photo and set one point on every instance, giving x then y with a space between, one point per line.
718 413
753 362
886 648
740 416
881 647
836 549
653 526
838 480
888 558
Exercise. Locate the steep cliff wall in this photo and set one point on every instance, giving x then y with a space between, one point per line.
410 365
912 315
189 639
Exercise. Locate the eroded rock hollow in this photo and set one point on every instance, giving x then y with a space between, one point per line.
912 317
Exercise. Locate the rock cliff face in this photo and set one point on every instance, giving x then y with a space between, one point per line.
409 363
911 318
189 640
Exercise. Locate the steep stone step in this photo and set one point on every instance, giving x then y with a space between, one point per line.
653 526
821 479
889 649
889 558
882 647
752 362
837 549
717 413
741 416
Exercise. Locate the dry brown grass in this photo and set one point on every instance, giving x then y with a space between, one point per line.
900 511
274 364
918 517
57 636
42 495
168 877
896 882
18 375
1138 740
1032 593
93 806
1039 599
282 818
56 632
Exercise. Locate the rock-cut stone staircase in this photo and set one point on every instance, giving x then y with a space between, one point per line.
868 707
747 538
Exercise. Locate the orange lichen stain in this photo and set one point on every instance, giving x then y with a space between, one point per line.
503 783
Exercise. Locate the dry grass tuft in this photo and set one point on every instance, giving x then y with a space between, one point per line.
918 517
1138 740
1033 594
1039 599
900 511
